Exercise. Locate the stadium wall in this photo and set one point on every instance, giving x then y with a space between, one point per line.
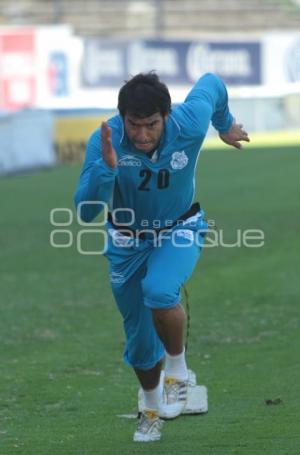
75 82
71 133
26 141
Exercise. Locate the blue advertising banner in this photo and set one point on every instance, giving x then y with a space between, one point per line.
109 63
58 73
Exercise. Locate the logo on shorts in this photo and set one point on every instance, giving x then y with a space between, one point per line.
185 233
179 160
116 278
129 160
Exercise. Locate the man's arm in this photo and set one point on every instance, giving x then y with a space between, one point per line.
208 102
97 178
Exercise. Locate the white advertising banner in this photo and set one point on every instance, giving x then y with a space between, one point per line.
39 66
58 65
49 67
281 59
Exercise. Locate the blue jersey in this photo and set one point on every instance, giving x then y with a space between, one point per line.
157 190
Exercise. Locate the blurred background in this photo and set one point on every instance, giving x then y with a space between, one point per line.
63 61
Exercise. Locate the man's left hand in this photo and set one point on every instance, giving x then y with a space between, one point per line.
235 135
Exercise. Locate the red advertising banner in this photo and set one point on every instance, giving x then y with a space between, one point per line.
17 68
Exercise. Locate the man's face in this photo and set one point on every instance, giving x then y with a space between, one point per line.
145 133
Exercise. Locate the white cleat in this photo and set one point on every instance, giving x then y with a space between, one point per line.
149 427
195 403
175 392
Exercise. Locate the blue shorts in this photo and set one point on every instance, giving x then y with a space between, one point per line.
148 274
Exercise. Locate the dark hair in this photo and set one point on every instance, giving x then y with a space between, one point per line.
144 95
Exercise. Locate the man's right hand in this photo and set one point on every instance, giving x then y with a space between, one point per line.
108 152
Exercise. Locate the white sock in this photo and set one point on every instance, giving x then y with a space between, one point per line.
153 397
175 366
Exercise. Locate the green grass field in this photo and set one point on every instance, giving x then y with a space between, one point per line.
62 380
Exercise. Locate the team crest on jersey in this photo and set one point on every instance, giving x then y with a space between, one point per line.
179 160
129 160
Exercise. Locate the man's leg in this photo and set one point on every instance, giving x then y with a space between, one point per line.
169 324
149 379
150 382
144 349
168 268
143 352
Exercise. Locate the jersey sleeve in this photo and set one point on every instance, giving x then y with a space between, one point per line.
207 101
96 181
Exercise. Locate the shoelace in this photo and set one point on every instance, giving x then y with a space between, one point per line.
146 423
176 391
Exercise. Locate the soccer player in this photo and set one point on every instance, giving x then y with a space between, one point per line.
142 164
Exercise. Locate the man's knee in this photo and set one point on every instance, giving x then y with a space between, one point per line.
159 295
